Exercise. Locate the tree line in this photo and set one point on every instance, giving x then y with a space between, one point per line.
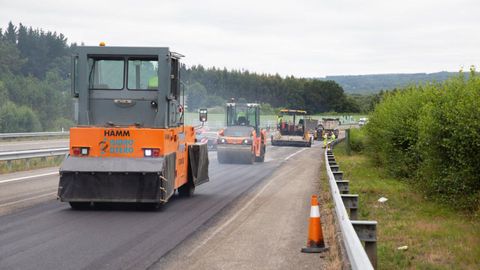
213 86
366 84
35 84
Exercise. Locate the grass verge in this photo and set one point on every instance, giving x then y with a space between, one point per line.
331 235
30 164
437 237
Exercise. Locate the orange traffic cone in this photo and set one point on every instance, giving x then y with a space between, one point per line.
315 243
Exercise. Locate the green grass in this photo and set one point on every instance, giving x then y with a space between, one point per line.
437 236
29 164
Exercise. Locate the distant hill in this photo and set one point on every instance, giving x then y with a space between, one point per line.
363 84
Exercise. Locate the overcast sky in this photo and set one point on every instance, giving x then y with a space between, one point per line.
302 38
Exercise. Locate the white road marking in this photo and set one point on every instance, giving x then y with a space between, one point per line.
28 199
299 151
219 229
27 177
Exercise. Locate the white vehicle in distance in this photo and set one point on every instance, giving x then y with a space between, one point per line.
362 121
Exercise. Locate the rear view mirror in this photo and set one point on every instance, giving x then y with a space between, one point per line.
202 115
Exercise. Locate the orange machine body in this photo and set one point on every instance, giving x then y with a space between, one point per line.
256 141
131 142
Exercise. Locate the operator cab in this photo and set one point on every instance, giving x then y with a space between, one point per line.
291 122
125 86
242 118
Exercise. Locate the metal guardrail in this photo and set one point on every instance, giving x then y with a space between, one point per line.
24 154
33 134
356 253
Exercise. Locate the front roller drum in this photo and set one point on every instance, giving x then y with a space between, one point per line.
235 155
80 188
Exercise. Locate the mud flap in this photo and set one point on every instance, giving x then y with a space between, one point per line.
198 163
168 179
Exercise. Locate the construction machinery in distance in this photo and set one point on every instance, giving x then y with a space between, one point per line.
291 129
130 144
311 125
242 140
330 126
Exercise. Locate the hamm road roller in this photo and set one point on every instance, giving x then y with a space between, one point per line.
130 144
242 140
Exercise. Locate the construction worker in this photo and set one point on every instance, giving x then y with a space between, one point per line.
325 137
333 136
153 82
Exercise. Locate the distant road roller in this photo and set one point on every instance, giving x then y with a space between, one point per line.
130 144
291 129
242 140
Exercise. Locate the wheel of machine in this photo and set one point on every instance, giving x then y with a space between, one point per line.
261 158
80 205
151 206
186 190
252 160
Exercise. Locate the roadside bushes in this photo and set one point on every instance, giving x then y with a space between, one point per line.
358 140
431 134
393 132
15 118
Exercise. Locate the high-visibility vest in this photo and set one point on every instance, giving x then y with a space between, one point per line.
153 82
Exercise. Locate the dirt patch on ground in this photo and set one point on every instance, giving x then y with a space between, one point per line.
331 231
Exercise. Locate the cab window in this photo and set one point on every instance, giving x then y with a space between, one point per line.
142 74
106 73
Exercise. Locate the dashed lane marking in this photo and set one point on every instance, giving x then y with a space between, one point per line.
27 177
219 229
299 151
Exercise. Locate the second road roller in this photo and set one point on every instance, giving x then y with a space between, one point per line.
242 140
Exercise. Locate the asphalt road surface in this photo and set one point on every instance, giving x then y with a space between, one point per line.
38 232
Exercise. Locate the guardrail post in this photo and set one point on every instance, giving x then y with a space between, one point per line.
334 168
351 202
367 232
9 165
338 175
343 186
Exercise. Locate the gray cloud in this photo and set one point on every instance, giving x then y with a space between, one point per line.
304 38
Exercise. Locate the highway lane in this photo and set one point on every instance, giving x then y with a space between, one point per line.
22 189
30 145
49 235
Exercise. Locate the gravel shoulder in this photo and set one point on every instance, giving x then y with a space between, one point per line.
264 229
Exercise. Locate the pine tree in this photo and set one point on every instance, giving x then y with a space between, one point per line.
11 33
